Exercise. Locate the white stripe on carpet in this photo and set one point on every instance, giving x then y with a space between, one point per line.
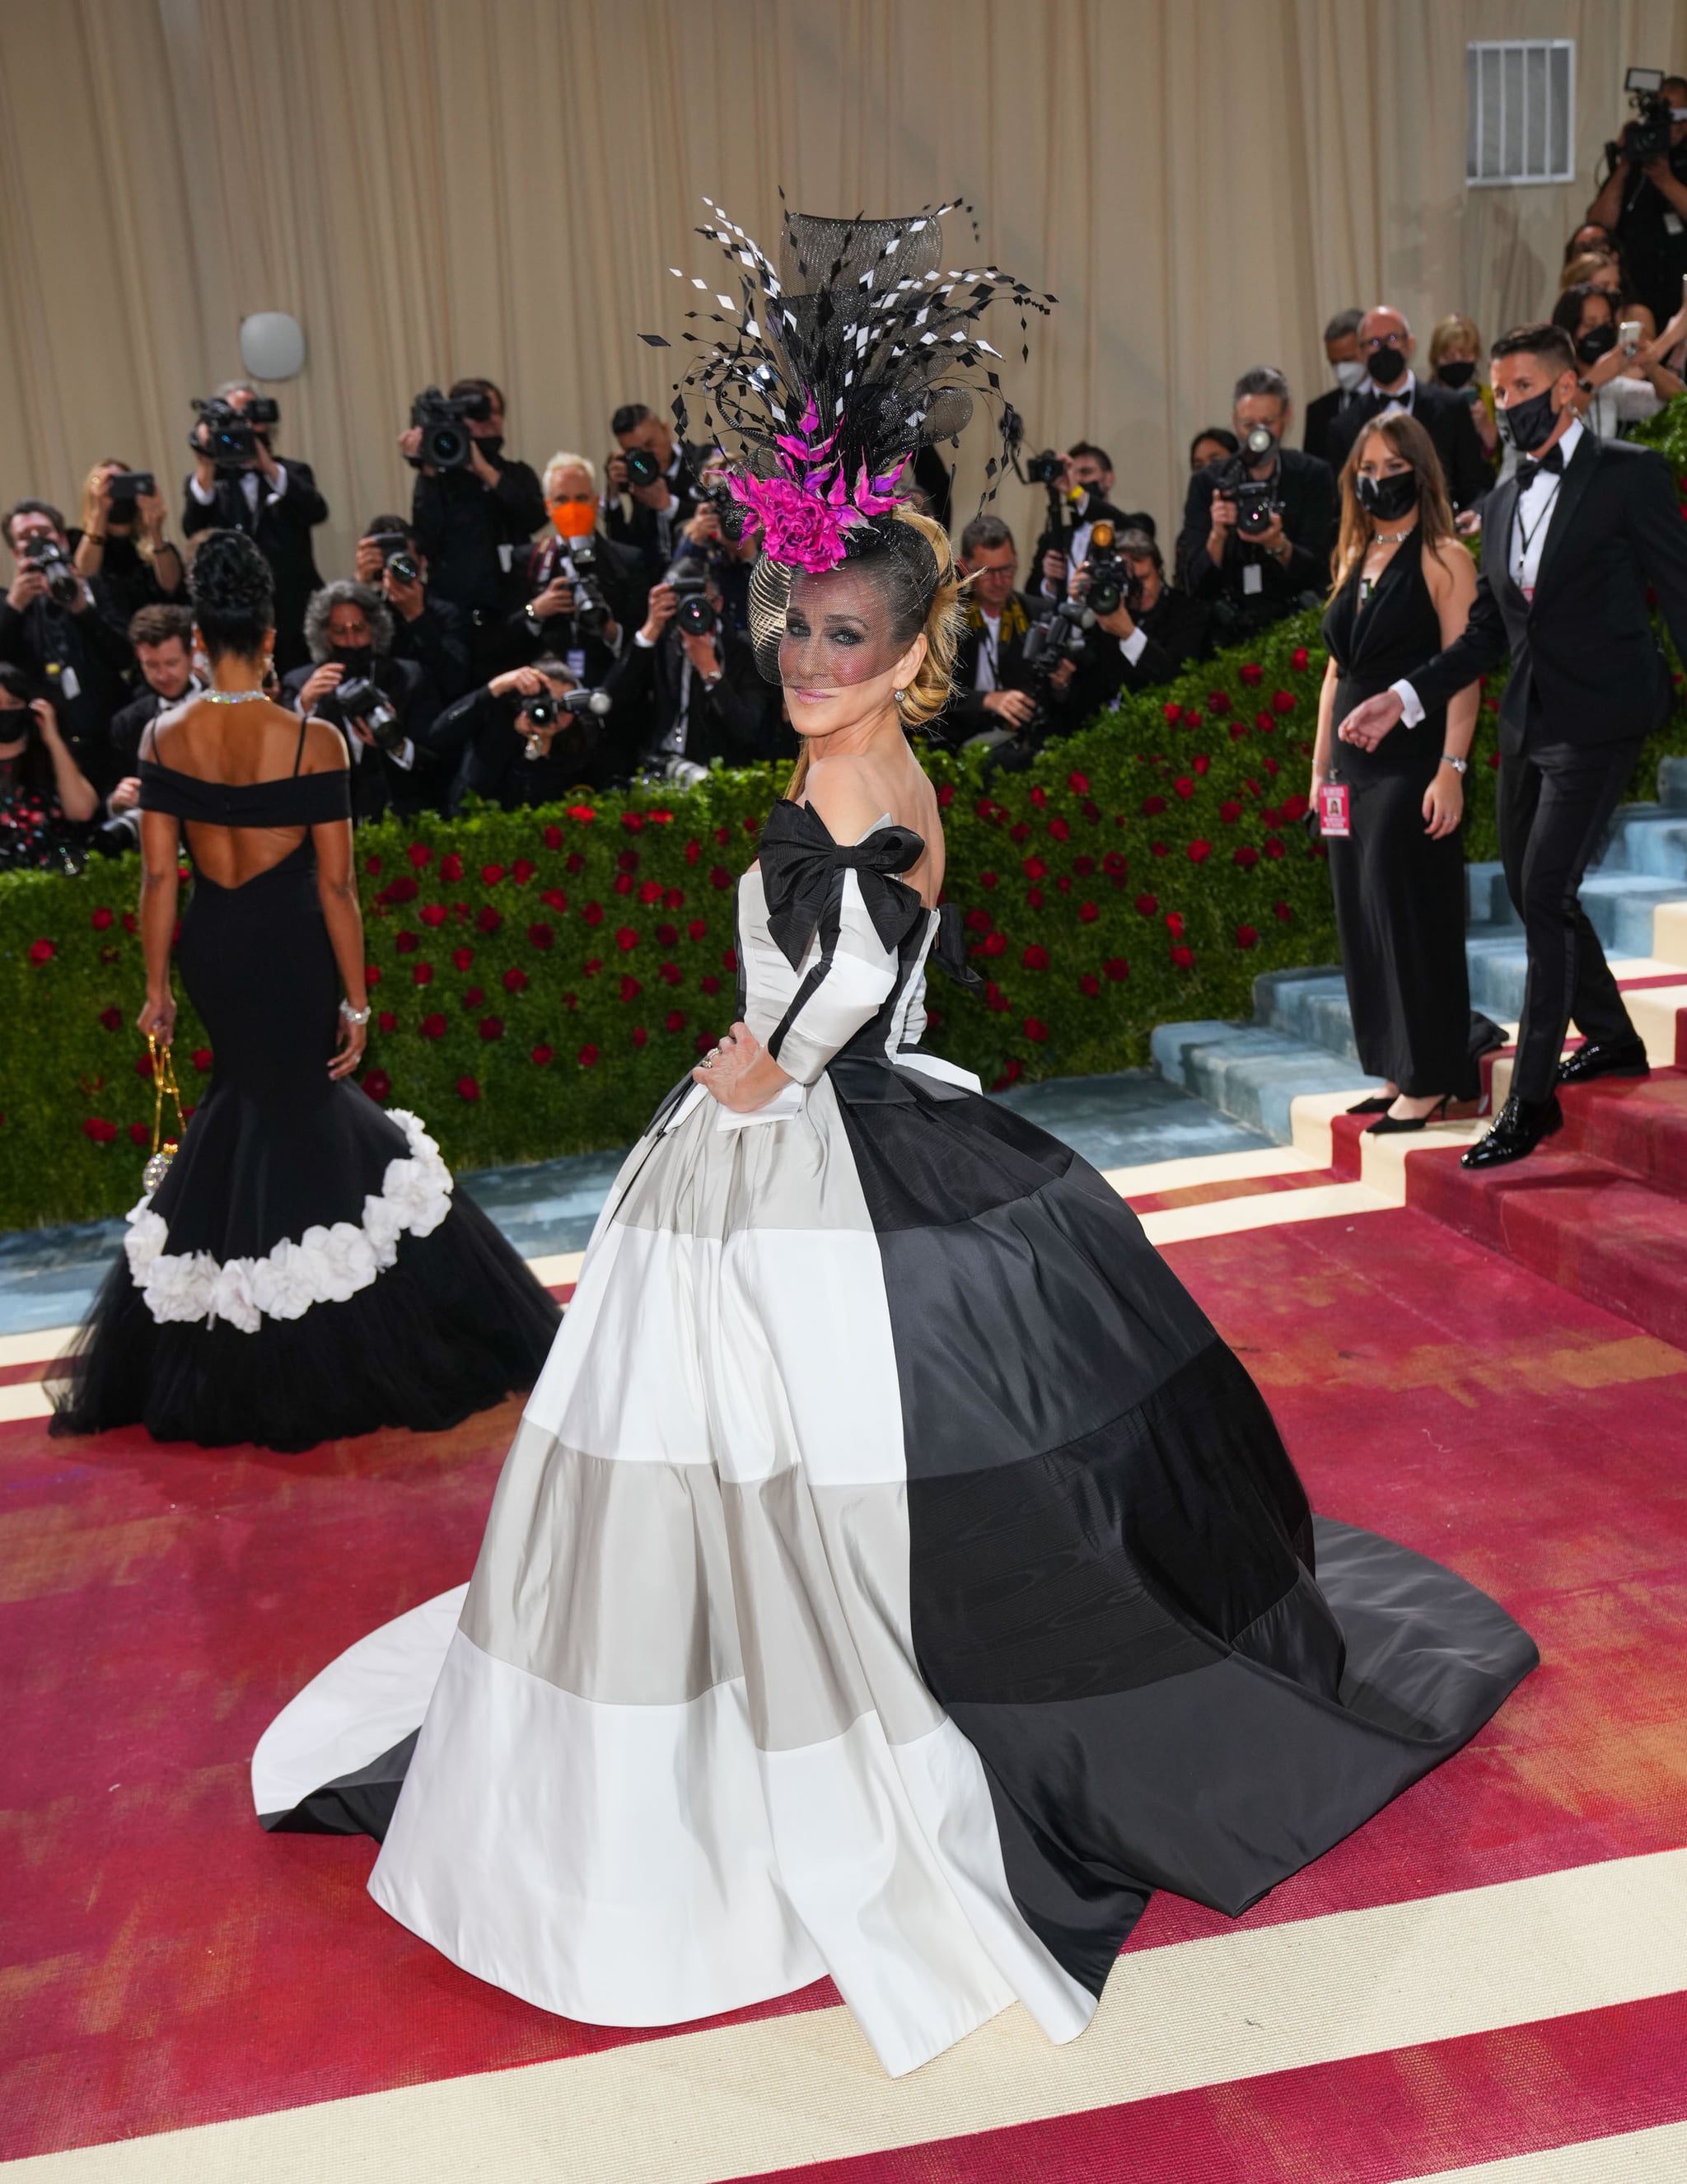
1658 2156
700 2107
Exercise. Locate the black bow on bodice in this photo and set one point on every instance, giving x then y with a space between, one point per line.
799 861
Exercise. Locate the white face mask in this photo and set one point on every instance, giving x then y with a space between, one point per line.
1349 375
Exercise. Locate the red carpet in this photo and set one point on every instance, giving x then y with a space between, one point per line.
167 1963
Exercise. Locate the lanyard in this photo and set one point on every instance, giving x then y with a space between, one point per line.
1528 534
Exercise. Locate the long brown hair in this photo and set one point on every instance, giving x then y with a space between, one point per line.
1408 439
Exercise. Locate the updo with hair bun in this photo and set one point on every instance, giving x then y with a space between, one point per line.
233 594
939 596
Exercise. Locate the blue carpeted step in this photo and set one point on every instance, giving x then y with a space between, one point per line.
1250 1073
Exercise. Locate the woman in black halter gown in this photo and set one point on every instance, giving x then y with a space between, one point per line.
304 1270
1404 586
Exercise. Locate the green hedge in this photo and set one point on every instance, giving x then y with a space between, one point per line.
541 977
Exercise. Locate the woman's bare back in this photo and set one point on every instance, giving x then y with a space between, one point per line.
238 746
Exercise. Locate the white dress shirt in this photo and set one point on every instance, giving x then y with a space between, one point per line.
1531 521
989 651
252 482
1402 395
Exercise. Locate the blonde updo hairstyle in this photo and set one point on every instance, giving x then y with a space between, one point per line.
934 611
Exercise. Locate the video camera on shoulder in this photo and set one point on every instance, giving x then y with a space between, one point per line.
1648 135
442 419
230 435
358 699
48 558
688 580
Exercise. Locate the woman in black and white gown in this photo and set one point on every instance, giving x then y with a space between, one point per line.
893 1575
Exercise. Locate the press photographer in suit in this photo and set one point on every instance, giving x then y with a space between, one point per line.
425 628
239 483
1258 527
687 690
474 516
991 682
1341 348
1386 344
651 487
1086 486
1572 543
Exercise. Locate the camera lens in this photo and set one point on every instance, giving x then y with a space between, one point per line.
642 466
541 710
697 617
403 568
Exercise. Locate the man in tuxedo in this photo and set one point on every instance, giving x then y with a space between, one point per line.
276 504
1341 347
561 614
163 641
1087 484
645 512
1385 345
1248 579
992 684
683 698
1572 544
474 522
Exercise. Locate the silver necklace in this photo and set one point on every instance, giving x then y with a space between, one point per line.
232 697
1391 537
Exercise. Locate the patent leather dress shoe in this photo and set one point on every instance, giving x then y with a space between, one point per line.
1613 1058
1518 1129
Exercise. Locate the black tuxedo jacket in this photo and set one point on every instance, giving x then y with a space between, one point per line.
1444 412
966 714
629 523
1586 669
481 737
626 592
282 529
1309 523
738 721
1321 413
378 781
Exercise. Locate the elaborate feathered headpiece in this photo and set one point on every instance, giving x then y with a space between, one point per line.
830 374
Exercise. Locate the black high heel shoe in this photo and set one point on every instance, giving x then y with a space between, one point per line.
1379 1104
1392 1125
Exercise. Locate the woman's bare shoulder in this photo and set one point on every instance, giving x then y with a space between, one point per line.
1448 565
325 748
846 795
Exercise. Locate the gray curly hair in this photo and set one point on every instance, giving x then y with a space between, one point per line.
344 592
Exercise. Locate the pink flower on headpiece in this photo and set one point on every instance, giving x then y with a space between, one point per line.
806 514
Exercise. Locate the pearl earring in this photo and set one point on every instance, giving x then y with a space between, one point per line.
899 695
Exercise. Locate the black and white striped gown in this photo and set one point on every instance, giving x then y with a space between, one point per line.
893 1575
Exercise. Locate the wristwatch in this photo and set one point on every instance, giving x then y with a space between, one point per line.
1458 765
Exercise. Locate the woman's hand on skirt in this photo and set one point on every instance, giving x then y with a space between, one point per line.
726 1067
1443 803
353 1037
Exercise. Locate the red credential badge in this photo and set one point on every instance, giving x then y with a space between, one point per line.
1332 811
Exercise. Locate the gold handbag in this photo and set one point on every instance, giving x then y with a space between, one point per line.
163 1086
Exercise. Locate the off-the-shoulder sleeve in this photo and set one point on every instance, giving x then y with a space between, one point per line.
849 982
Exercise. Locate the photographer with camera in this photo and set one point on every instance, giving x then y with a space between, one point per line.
46 800
584 592
1386 344
1144 629
688 688
123 550
1642 205
1259 526
729 538
385 708
162 638
474 507
239 483
53 628
425 628
532 735
993 694
1080 485
650 487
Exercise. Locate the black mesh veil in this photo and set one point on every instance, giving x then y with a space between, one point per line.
827 374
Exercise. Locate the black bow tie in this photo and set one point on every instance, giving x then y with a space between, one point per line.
1529 469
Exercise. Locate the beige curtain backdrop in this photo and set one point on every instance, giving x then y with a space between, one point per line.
438 187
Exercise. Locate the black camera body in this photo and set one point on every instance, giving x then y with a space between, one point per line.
642 466
124 488
1046 468
593 613
1257 501
47 556
1112 582
697 615
398 555
544 709
1647 137
230 435
358 699
442 420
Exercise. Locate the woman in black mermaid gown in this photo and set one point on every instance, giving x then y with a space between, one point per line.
304 1269
1405 586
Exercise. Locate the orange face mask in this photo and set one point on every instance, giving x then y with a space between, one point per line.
574 518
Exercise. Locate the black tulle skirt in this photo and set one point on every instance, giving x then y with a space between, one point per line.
305 1271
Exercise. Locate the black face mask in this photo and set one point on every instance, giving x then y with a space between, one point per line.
1531 424
355 659
1595 343
490 447
1457 371
1386 499
1387 365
